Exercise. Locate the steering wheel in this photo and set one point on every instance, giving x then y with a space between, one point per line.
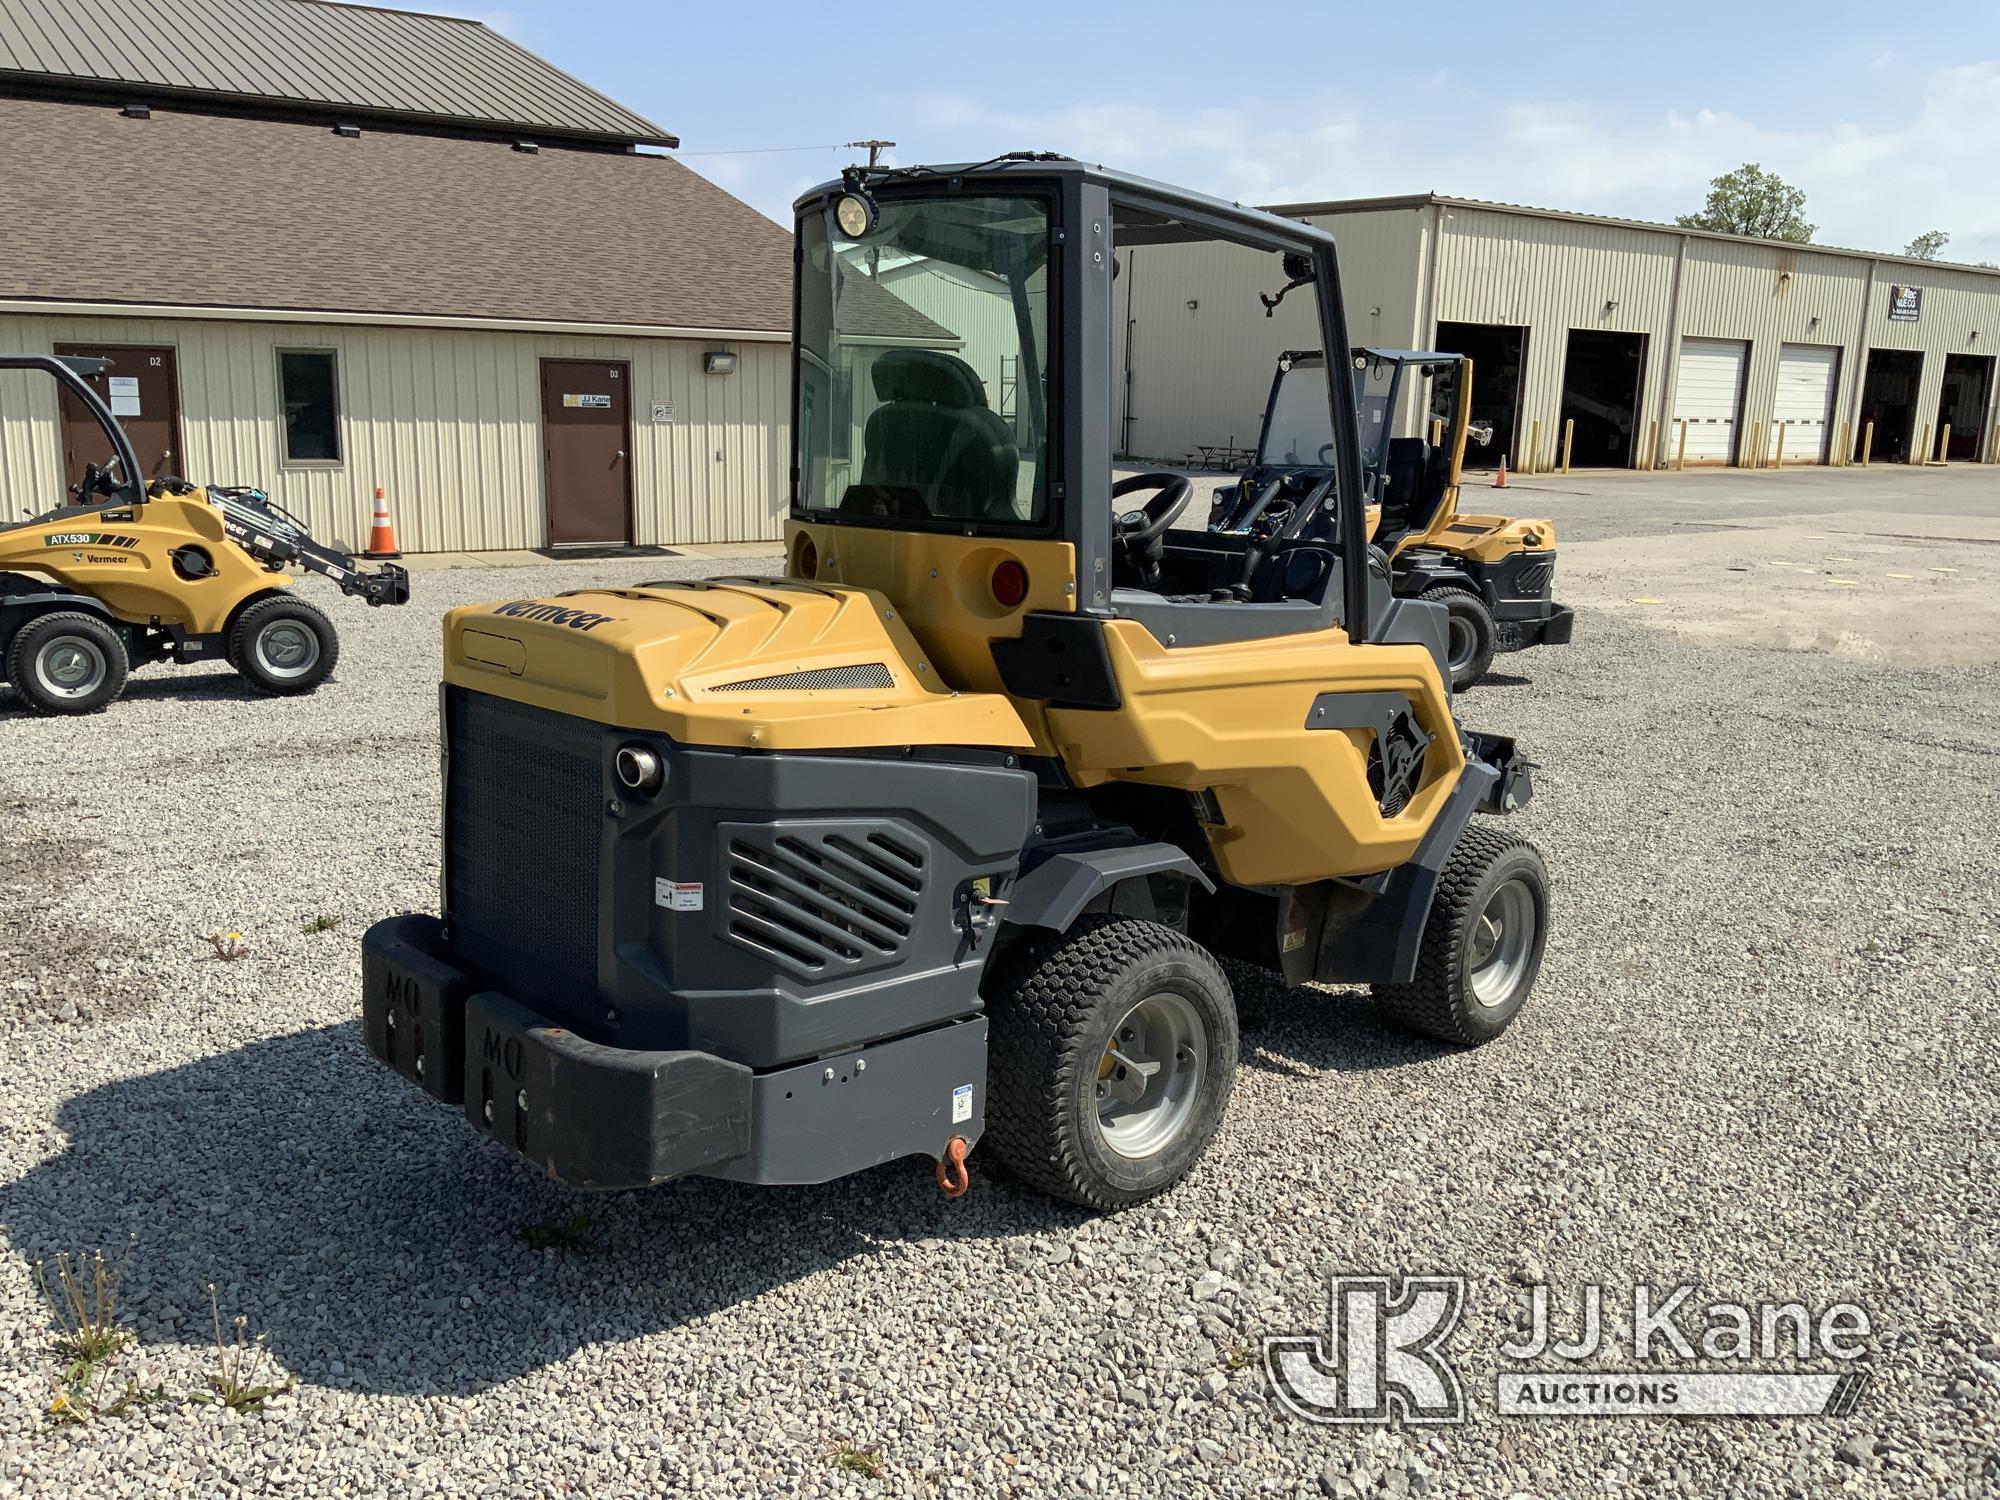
1326 454
1142 533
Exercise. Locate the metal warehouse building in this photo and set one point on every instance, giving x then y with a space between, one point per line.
1647 345
329 248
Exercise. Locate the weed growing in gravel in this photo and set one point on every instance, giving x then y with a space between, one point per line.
238 1363
229 946
560 1235
84 1304
1236 1357
79 1401
867 1462
319 924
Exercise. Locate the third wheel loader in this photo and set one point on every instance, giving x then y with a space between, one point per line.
1493 575
126 573
940 835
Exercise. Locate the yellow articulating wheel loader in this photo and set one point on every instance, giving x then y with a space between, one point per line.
1494 575
941 834
129 573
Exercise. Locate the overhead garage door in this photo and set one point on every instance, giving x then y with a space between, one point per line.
1708 393
1804 404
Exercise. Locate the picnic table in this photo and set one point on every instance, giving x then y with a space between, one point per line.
1220 456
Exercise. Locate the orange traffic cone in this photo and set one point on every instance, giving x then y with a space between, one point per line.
1499 480
381 534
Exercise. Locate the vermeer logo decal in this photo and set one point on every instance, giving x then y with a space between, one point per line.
552 614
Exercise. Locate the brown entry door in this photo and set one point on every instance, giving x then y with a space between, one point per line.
586 437
142 389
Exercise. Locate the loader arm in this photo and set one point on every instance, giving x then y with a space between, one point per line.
275 537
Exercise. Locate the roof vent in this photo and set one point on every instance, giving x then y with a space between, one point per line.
348 132
136 112
526 148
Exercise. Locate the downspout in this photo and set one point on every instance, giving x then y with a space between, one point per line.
1671 363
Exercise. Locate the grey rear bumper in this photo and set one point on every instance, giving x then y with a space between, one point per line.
594 1116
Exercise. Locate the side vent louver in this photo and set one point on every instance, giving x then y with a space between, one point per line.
827 898
864 675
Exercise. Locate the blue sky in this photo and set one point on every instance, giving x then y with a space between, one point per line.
1888 117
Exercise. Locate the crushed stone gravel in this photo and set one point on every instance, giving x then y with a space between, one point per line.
1761 1057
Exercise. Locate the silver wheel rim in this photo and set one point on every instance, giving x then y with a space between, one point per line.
1150 1075
287 649
1464 641
1503 940
71 667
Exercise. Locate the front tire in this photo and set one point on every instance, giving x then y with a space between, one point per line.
283 646
1470 635
1111 1060
67 663
1482 944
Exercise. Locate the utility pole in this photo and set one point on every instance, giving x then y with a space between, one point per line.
875 150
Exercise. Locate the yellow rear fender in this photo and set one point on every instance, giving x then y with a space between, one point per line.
1287 788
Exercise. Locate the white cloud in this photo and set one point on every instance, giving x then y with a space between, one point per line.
1866 187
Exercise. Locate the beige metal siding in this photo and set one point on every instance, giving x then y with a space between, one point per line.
1960 315
1201 374
1199 381
447 422
1551 276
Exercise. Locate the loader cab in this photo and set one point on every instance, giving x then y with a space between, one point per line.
954 388
1410 480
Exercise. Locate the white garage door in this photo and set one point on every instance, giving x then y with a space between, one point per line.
1804 404
1707 394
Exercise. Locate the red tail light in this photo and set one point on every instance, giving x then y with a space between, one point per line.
808 558
1010 583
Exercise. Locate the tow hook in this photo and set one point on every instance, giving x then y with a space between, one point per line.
952 1177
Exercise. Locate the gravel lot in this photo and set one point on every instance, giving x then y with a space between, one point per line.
1762 1057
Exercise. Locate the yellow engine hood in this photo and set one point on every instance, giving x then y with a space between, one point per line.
763 663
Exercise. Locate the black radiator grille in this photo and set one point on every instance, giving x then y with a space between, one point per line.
822 900
522 822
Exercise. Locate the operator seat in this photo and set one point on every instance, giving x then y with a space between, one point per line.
934 434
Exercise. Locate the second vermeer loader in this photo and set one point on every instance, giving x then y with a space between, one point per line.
1493 575
125 573
940 835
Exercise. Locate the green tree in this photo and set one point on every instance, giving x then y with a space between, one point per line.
1752 201
1927 245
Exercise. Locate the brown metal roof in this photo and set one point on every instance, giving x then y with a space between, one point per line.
308 55
208 210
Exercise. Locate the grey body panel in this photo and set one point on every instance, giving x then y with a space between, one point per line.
897 1099
1056 891
1372 937
593 1116
811 902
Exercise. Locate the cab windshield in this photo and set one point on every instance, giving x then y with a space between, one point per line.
922 352
1300 431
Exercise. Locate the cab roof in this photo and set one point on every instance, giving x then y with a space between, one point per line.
1149 212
